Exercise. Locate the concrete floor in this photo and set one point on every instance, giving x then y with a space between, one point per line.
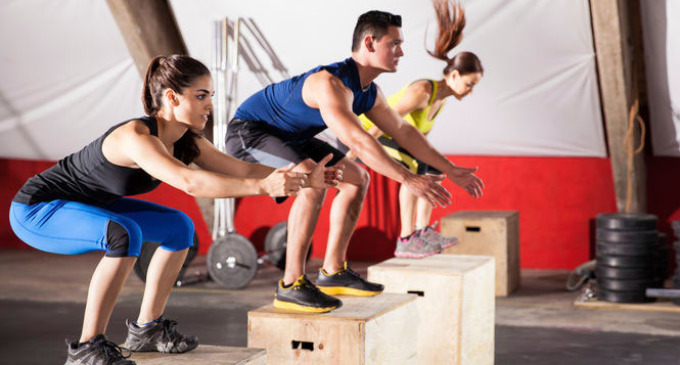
42 300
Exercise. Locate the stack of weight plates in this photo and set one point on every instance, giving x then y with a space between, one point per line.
676 246
627 256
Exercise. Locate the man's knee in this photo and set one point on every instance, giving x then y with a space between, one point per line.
363 182
365 179
306 166
312 198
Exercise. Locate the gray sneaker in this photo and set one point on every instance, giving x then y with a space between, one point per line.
97 351
160 336
430 234
415 247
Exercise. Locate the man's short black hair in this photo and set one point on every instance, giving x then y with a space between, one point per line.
375 23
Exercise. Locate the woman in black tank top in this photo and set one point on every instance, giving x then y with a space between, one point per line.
79 205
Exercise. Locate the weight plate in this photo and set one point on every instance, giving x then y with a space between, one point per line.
625 249
147 251
626 221
275 244
624 285
624 296
624 273
232 261
607 235
625 261
676 228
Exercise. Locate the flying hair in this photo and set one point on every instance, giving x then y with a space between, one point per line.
450 23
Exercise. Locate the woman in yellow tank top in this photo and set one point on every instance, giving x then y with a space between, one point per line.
419 103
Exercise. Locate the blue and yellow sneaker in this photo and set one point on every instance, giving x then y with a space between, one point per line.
303 296
347 282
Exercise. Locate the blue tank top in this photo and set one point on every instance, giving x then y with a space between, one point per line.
281 106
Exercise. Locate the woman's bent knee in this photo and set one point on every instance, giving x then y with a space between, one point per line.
182 232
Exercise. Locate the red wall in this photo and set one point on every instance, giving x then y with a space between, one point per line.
557 199
18 171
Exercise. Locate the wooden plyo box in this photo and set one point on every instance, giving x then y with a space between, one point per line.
456 304
373 330
491 233
204 354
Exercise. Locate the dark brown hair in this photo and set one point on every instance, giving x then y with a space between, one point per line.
375 23
450 24
175 72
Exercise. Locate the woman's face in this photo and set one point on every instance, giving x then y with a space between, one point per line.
462 85
195 104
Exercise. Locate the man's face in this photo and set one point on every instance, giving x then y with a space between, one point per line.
387 50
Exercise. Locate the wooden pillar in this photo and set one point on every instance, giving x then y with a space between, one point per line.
612 33
149 29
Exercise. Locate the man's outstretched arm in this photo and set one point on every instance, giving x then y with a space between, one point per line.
334 101
411 139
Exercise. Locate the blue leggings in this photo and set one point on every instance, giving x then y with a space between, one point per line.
70 228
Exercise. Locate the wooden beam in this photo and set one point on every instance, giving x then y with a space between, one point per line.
149 29
615 55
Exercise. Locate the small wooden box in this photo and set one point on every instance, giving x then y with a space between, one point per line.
492 233
204 354
368 330
456 304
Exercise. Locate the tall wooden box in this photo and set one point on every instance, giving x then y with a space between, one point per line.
204 354
373 330
492 233
456 304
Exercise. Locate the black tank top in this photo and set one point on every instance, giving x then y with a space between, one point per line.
88 177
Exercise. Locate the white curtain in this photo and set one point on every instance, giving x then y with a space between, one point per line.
67 75
661 31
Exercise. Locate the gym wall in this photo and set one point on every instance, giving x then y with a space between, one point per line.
533 125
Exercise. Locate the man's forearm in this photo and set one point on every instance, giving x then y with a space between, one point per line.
417 145
374 156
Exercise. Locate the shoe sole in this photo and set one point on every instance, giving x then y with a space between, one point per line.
301 308
450 244
415 255
343 290
154 348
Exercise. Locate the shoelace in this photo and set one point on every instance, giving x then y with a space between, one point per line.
170 334
112 352
351 272
307 284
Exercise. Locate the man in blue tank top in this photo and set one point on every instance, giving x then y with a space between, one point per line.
277 125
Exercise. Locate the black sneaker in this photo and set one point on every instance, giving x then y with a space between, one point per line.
347 282
97 351
160 336
304 296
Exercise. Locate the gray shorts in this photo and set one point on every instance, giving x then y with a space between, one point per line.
261 143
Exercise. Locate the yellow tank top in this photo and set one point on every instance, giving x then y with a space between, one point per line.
417 118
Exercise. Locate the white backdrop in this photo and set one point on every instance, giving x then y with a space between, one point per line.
661 26
66 75
539 94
